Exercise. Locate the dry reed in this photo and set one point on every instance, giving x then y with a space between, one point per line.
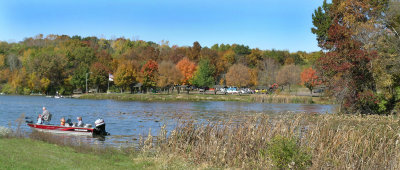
333 141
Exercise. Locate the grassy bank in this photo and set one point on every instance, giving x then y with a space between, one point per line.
24 153
207 97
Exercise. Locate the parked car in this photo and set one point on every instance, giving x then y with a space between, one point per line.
221 91
232 90
246 91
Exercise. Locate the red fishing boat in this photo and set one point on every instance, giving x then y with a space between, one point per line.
99 130
62 129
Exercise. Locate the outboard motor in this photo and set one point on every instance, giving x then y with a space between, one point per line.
100 129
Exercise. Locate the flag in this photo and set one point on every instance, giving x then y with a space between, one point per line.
110 77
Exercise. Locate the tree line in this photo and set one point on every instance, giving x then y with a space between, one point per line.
60 63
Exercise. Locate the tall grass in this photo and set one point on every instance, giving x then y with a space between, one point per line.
320 142
282 99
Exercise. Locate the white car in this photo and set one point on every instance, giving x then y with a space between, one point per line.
232 91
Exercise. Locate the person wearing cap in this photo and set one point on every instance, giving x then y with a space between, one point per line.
46 115
80 122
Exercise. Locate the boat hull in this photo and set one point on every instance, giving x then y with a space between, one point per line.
62 129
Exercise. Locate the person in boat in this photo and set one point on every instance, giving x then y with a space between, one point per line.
39 120
80 122
62 121
46 116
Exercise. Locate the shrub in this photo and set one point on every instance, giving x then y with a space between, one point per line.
285 153
4 131
7 88
27 91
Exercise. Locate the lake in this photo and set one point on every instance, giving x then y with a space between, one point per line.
127 120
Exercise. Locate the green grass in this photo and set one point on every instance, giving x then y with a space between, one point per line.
22 153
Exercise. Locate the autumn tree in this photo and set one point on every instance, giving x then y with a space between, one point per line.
2 60
267 71
288 75
34 82
194 51
187 69
346 67
253 77
238 75
210 55
229 57
99 75
169 75
45 83
52 64
4 76
309 78
17 80
149 74
386 41
204 75
254 57
176 54
126 75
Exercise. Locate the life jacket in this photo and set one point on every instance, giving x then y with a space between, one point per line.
62 122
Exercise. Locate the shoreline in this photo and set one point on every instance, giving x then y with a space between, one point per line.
256 98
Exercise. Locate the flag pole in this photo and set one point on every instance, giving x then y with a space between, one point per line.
110 78
108 83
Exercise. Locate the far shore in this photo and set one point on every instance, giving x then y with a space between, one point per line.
260 98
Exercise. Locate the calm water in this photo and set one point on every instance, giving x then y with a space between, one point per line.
127 120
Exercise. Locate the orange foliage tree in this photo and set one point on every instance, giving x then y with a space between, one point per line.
309 78
187 69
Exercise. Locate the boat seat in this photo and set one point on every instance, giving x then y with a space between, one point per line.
87 126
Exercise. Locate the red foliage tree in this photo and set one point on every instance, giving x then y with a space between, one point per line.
149 73
346 67
309 78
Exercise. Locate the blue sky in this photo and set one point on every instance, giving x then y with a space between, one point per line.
264 24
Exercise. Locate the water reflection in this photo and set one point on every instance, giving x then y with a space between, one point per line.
127 120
